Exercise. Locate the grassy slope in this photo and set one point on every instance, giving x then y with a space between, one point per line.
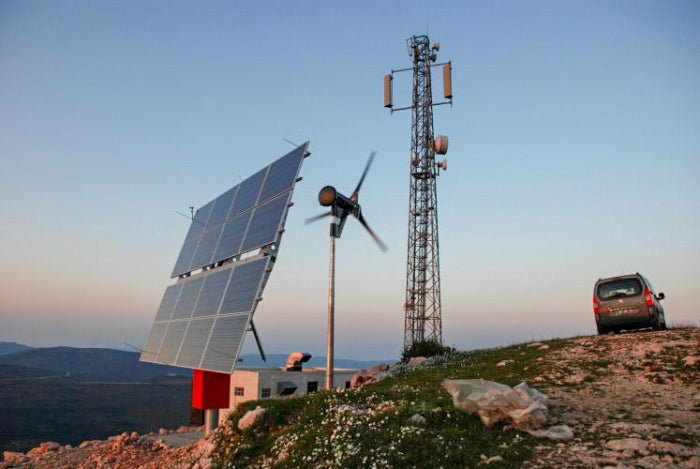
370 427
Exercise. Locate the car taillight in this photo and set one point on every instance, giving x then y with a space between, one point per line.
648 297
596 307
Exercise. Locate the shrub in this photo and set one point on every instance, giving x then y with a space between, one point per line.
427 348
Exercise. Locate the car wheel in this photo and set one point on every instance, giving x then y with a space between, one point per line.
602 330
656 324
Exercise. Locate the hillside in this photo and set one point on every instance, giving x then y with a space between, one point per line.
12 347
90 364
631 399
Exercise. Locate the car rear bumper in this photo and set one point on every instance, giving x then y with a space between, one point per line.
641 318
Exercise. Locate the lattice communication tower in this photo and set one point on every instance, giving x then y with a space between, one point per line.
422 305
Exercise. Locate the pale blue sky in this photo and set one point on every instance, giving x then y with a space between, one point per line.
574 154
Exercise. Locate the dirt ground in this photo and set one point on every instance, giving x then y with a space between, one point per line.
632 399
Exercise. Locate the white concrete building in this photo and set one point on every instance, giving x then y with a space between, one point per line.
273 383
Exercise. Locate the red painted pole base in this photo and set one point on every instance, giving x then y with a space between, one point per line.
210 390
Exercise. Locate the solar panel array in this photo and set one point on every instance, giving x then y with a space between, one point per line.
202 319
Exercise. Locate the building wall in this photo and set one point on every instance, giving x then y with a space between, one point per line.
252 384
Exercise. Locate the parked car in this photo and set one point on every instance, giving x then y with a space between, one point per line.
627 302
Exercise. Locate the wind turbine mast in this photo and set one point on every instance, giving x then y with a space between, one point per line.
341 207
422 305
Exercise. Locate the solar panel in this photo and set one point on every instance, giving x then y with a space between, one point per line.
206 248
283 173
188 298
231 238
194 342
212 292
202 319
266 222
224 343
243 287
222 205
152 345
165 311
248 193
172 341
184 260
199 221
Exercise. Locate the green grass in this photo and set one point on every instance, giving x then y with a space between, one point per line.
371 427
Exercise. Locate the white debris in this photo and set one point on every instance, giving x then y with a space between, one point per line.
521 406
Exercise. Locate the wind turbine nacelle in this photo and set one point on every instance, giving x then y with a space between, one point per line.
329 197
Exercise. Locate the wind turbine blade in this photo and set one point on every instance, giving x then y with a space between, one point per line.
362 178
374 236
317 217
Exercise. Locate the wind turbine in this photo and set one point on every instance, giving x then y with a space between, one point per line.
340 207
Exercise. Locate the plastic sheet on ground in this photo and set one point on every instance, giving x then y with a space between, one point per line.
521 407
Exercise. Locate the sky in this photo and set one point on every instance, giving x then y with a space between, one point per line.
574 154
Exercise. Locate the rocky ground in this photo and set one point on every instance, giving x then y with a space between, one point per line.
632 399
128 450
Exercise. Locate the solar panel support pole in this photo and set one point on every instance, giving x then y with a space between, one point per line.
211 421
257 341
331 313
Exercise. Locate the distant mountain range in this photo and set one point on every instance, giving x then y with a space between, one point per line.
82 364
12 347
19 361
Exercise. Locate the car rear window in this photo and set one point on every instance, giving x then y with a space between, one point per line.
619 289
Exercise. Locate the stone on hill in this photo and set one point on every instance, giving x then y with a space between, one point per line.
12 457
634 445
43 448
417 419
417 361
250 417
373 374
690 360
